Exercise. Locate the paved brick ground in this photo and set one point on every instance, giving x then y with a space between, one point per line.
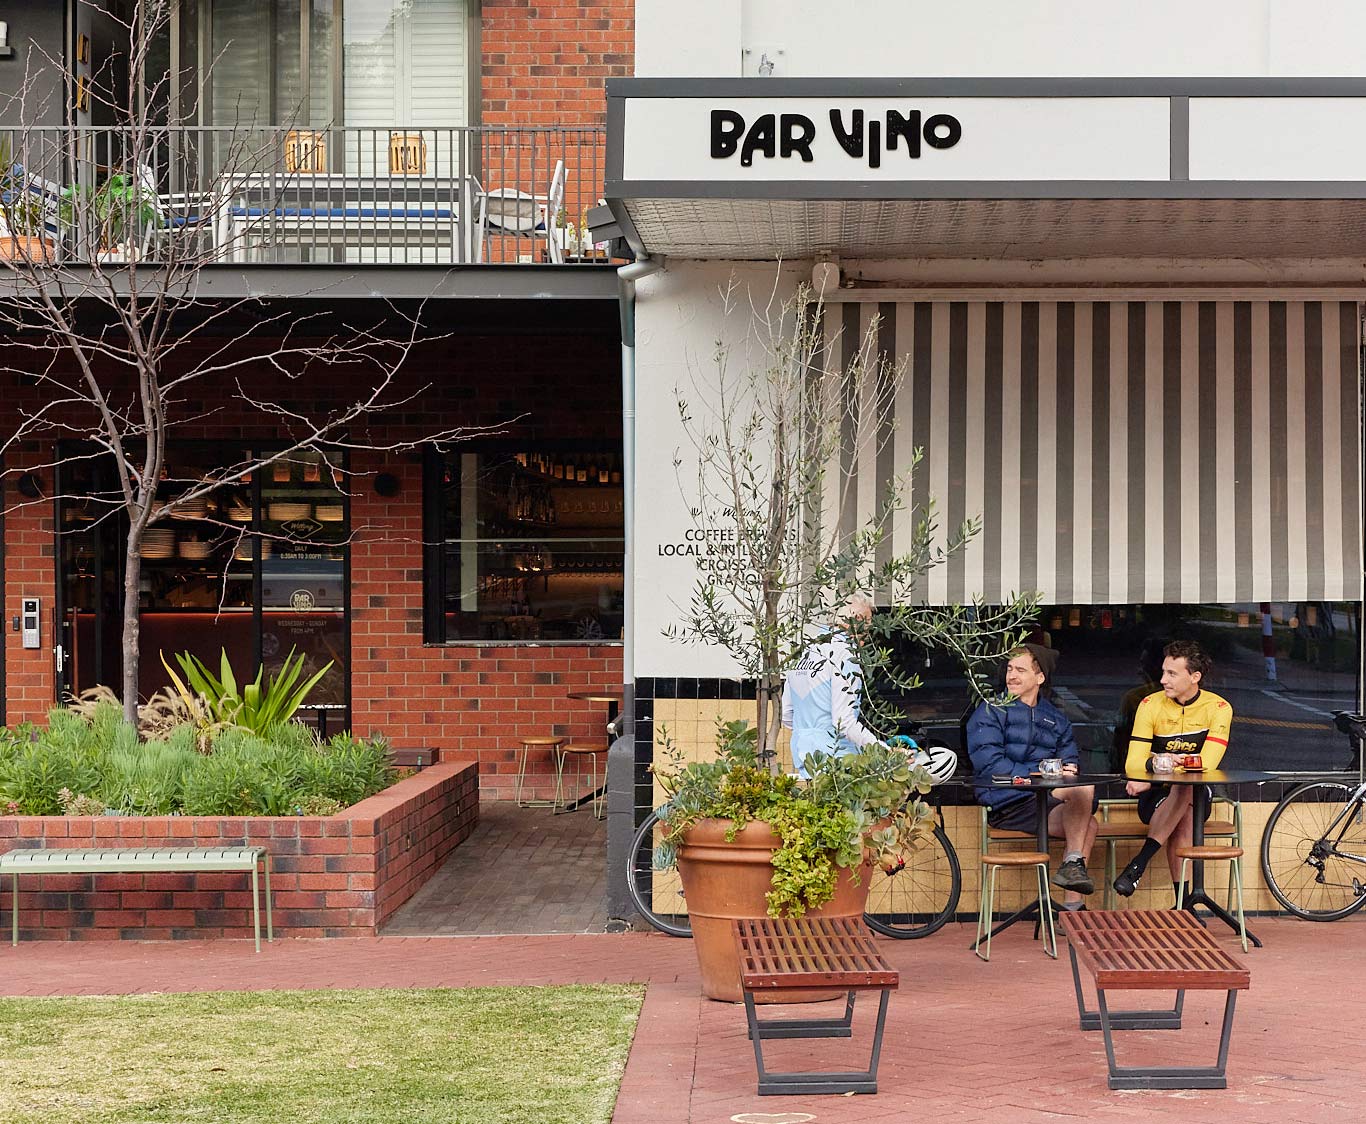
523 870
966 1041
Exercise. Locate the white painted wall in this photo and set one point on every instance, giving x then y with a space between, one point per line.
700 38
1043 38
680 318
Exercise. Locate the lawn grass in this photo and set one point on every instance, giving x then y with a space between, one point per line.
470 1056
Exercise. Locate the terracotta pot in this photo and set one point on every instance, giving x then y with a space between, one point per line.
16 247
723 881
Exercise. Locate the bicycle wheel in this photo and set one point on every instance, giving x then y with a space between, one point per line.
656 894
1313 874
916 899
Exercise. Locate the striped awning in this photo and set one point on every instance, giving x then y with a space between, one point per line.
1128 451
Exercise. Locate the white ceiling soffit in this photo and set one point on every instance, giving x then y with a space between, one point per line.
764 229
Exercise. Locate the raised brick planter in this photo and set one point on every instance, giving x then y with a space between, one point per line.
333 876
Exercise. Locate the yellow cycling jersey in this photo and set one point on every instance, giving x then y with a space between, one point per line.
1159 715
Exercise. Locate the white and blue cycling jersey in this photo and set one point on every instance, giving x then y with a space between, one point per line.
821 699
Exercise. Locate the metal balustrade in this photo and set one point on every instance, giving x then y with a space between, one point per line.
187 196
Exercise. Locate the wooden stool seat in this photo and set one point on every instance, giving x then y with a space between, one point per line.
992 863
583 749
1209 851
536 741
1015 858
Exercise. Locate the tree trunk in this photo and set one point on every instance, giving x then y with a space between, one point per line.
768 720
132 580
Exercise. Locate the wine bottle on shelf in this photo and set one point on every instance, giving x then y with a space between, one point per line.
604 472
558 470
580 470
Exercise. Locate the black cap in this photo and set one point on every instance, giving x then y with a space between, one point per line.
1046 658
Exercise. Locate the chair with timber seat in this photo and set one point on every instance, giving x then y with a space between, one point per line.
1015 860
1215 853
536 743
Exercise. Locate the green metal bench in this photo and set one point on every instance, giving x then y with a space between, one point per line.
147 860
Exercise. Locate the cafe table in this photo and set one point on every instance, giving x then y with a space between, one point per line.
1041 788
613 702
1201 781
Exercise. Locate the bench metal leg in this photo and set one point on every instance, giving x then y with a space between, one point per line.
1125 1020
1167 1077
270 923
256 905
810 1028
778 1084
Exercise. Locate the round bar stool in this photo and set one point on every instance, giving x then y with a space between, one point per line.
1212 852
528 744
1014 860
579 753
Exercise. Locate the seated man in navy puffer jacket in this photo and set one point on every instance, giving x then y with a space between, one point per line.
1010 741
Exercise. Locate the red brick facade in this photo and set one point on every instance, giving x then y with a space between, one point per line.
332 876
471 702
547 64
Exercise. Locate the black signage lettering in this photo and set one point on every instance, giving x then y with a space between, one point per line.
907 128
727 127
798 133
851 140
953 131
762 136
795 134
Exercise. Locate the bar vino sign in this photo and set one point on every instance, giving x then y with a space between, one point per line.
861 137
674 140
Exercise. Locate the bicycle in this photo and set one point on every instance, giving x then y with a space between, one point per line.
910 901
1313 839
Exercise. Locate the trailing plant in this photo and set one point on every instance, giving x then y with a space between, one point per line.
855 809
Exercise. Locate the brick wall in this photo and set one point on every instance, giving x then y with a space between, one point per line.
548 64
473 703
332 876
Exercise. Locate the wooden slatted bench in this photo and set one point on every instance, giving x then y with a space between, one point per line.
1152 950
807 954
147 860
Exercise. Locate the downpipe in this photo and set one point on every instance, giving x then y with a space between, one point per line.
621 757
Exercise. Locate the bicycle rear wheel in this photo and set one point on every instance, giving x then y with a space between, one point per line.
656 894
916 899
1303 865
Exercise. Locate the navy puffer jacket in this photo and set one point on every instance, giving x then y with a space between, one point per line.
1011 741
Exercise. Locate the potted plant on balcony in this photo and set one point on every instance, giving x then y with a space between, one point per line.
775 447
22 234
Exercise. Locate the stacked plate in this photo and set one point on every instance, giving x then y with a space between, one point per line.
195 550
242 552
239 513
192 509
328 513
158 542
283 512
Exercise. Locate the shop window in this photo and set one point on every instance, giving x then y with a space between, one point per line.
525 544
255 568
1110 657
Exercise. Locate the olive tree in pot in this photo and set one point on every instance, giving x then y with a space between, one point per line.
771 471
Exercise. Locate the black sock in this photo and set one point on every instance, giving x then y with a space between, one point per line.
1139 863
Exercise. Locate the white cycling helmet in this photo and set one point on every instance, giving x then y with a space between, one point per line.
939 760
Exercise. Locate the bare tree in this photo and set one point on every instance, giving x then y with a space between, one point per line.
105 306
770 476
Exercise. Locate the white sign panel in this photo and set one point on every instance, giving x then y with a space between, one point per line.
1294 139
890 140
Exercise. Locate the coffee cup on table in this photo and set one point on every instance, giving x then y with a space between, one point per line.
1050 767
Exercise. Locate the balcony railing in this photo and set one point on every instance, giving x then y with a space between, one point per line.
189 196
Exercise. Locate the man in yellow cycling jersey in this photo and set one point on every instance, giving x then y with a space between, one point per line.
1181 707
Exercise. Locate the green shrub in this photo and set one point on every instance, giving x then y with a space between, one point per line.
86 763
